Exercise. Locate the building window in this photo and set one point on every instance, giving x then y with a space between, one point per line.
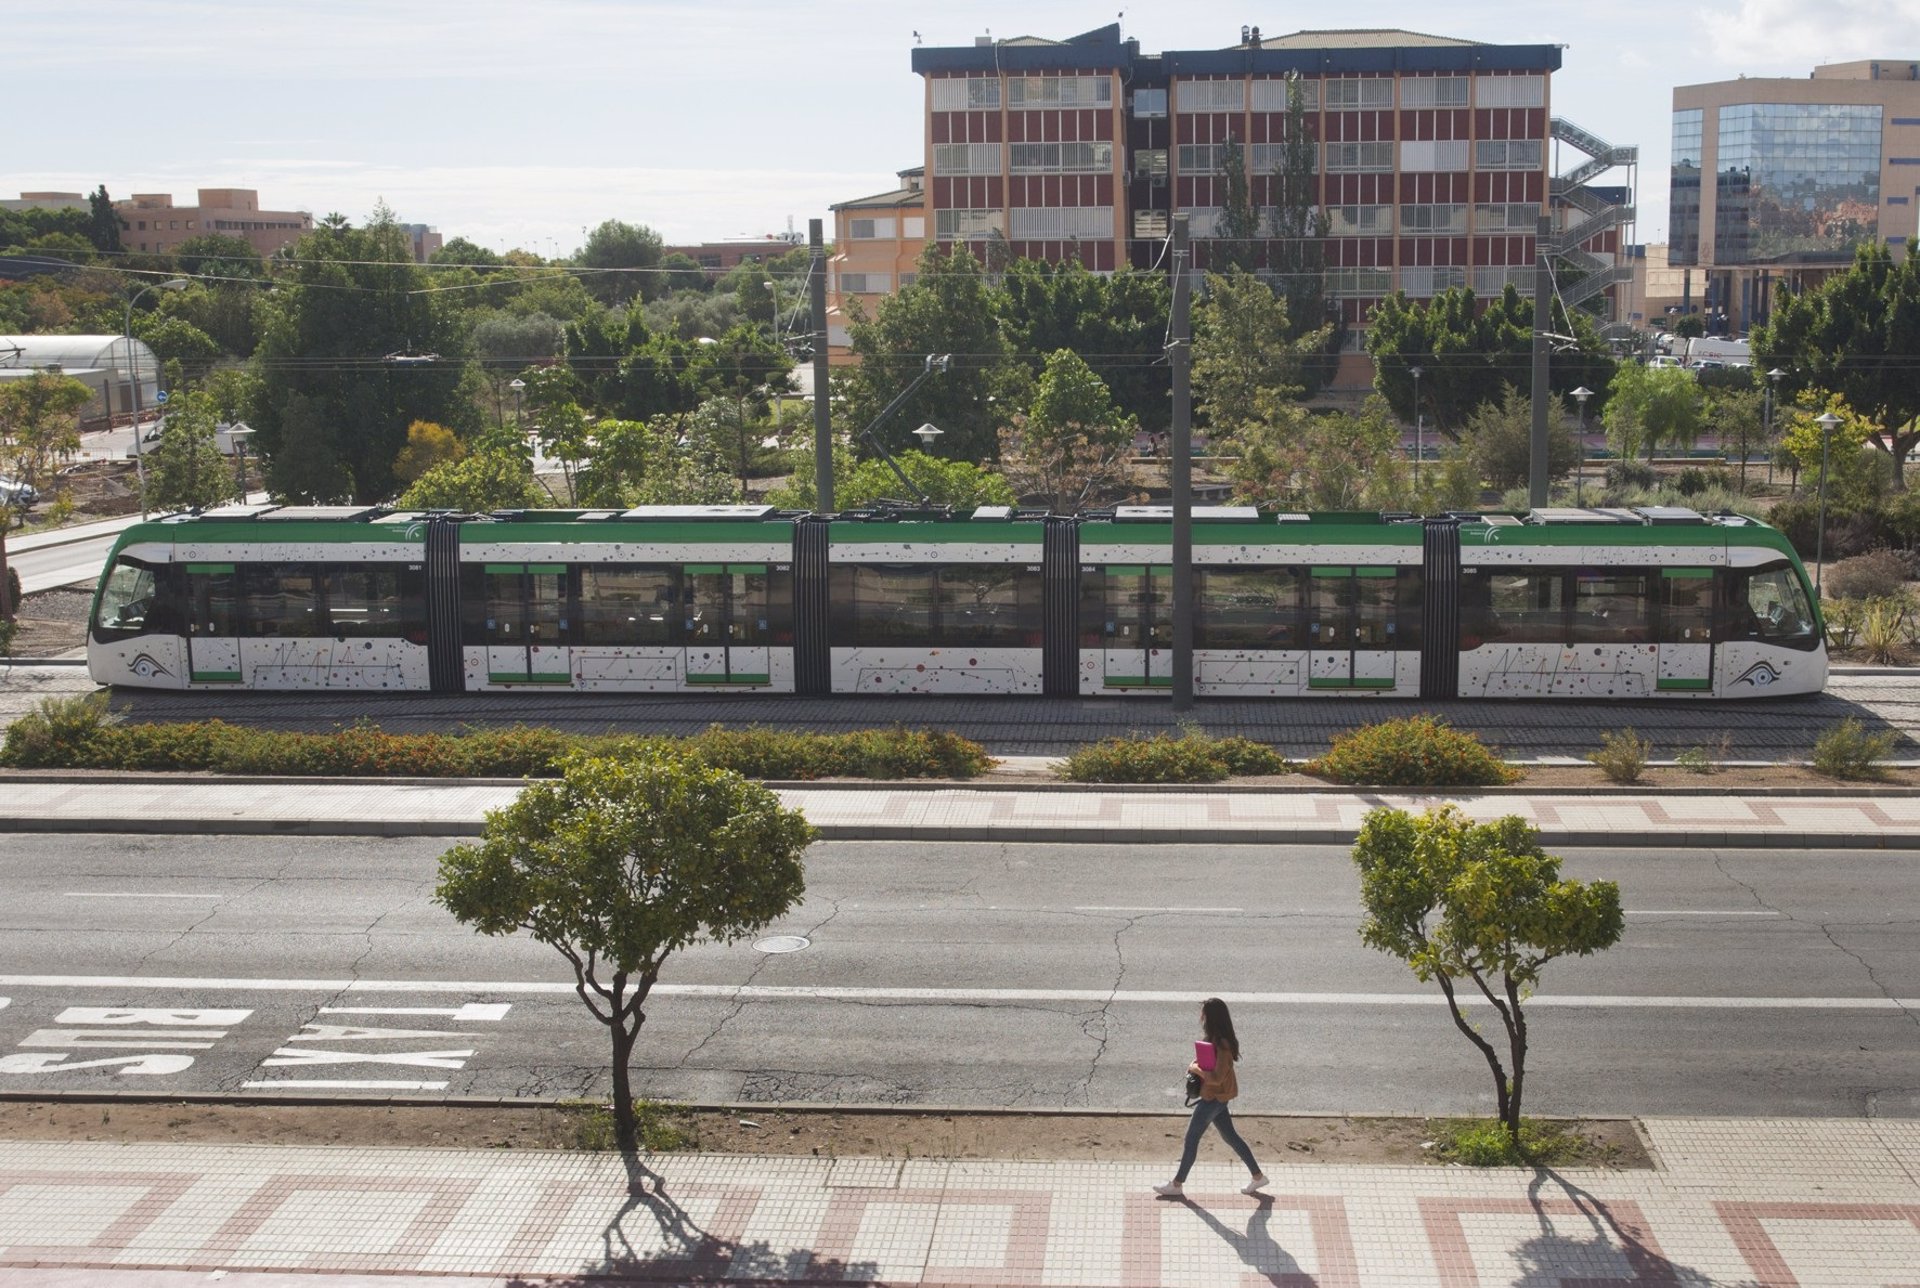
908 279
1509 154
1201 158
1149 104
913 227
1033 92
967 225
1433 219
1433 91
1272 95
1060 158
1796 181
1520 218
1436 155
1359 221
1057 223
1150 163
1203 221
1422 282
1495 278
972 93
869 229
1212 96
1337 158
1360 281
143 228
865 283
966 158
1351 94
1510 91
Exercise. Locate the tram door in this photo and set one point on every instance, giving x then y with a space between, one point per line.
726 624
528 626
213 646
1350 626
1686 629
1138 633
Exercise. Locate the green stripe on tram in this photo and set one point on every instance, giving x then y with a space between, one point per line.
1356 682
523 677
1675 682
1139 681
209 569
216 677
1687 574
738 677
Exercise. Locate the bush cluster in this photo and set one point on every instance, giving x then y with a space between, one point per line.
1622 756
1419 751
1187 757
1850 753
1878 574
82 734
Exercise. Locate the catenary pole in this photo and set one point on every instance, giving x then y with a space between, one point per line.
1180 470
1542 320
822 407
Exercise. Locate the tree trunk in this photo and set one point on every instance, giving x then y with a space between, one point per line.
625 1129
1500 1090
7 606
1517 1049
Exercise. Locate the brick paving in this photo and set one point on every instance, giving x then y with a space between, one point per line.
896 811
1747 1202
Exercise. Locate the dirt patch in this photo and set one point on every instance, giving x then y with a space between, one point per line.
52 622
823 1133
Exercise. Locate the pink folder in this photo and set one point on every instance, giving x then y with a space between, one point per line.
1203 1055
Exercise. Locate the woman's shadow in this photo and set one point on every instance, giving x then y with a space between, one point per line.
1254 1246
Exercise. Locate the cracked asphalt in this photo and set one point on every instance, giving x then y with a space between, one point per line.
1006 975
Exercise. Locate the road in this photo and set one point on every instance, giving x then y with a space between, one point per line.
1752 983
64 556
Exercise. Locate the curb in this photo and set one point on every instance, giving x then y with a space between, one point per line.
1575 838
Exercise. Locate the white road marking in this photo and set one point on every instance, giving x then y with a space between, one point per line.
935 996
472 1011
1699 912
135 894
1101 908
345 1084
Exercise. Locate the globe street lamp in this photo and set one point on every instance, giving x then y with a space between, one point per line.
238 436
1419 423
519 387
926 434
1826 420
1772 391
139 462
1580 396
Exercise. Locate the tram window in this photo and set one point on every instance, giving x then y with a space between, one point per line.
936 606
212 601
1515 608
1611 608
1256 608
1409 589
630 606
127 604
1770 604
1686 606
989 606
375 602
280 600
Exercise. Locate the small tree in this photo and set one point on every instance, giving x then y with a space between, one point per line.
39 424
1074 447
185 470
493 479
621 862
428 445
1456 900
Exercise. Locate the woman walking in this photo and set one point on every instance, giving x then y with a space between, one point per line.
1217 1086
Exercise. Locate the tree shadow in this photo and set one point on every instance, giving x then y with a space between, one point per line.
697 1255
1552 1259
1255 1246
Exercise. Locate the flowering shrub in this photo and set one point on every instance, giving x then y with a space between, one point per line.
1419 751
1190 757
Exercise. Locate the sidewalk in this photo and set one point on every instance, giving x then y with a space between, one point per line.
1772 1202
1776 818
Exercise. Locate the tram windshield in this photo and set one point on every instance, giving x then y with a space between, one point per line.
127 601
1770 604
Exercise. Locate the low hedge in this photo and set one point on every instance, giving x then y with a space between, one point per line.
1419 751
82 734
1171 758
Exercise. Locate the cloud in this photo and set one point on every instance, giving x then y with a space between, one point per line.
1774 37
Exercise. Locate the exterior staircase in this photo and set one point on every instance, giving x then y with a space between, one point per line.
1601 215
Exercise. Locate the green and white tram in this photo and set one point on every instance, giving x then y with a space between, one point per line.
1644 603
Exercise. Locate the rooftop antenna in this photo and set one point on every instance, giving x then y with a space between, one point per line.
916 37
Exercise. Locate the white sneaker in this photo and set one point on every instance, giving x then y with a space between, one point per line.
1171 1190
1254 1186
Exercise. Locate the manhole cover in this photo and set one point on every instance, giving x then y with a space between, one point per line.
782 944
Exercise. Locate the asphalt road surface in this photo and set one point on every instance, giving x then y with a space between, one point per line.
1748 983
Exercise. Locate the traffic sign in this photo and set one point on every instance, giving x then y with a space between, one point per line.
160 397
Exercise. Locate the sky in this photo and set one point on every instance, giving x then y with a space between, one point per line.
524 124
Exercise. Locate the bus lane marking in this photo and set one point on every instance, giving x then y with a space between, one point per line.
152 1031
300 1057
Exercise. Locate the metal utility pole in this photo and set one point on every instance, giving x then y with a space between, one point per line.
1542 325
822 408
1180 470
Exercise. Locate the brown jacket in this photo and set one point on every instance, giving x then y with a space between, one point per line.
1219 1084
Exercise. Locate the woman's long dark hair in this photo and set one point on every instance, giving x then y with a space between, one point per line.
1218 1026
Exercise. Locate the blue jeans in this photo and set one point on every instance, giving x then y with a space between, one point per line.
1212 1113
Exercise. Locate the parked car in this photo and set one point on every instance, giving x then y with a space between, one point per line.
18 495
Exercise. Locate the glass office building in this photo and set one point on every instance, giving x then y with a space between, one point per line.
1796 182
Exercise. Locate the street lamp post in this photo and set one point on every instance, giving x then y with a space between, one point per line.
1772 392
926 434
1826 420
1580 396
238 436
139 461
519 387
1419 428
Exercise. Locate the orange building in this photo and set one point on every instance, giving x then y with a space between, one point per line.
876 243
155 224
